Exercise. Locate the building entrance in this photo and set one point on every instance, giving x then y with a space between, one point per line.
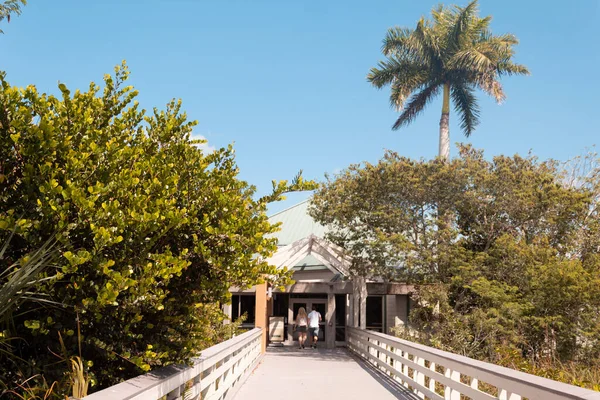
308 303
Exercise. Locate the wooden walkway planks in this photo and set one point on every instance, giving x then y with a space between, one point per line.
289 374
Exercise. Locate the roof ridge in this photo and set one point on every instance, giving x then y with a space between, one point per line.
289 208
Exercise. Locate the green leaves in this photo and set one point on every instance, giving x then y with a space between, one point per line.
33 325
503 252
455 48
149 226
467 107
280 188
10 7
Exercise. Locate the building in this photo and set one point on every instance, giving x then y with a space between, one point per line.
320 272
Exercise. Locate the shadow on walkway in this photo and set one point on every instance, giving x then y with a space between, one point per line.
288 373
392 386
319 354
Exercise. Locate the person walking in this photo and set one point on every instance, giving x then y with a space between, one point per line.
313 326
301 326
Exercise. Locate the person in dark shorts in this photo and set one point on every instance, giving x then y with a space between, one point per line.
301 326
313 326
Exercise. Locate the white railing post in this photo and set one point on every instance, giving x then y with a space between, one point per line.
219 369
398 357
449 392
504 394
405 367
431 379
419 376
398 364
474 383
208 390
175 394
388 360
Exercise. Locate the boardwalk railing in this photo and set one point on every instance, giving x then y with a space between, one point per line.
439 375
217 374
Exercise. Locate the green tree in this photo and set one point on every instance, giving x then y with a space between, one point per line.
152 230
454 53
511 277
10 7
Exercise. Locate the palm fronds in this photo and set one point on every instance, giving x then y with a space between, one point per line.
18 279
465 103
416 104
464 20
456 48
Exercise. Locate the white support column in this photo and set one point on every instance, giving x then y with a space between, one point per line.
356 301
349 313
290 333
227 311
363 303
330 322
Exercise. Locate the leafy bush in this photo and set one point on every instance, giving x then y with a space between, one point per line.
152 230
504 253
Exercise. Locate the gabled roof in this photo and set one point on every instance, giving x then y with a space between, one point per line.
330 255
296 224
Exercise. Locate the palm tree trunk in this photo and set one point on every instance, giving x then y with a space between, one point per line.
445 125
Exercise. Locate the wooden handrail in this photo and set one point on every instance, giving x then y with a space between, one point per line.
420 367
213 375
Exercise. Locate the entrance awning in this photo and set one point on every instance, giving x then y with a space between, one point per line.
332 256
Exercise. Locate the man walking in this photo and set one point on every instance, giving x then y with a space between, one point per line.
314 317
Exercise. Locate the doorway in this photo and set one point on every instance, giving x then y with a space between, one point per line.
375 313
308 303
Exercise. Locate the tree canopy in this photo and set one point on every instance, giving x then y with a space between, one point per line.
504 253
151 231
454 53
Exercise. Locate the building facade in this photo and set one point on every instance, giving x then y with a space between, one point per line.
321 279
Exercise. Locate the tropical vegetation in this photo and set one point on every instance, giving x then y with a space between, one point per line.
10 7
504 254
123 233
454 53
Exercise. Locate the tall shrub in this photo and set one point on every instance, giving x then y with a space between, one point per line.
153 230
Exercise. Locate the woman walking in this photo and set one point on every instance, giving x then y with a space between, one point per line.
301 326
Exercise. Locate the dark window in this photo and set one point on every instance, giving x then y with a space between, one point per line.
280 309
280 305
375 313
235 307
247 306
340 317
243 304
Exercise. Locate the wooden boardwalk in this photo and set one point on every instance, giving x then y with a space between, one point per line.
287 373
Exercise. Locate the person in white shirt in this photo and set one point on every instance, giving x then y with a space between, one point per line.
314 317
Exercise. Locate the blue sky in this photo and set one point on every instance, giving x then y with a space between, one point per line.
285 80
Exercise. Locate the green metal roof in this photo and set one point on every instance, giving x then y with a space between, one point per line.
296 224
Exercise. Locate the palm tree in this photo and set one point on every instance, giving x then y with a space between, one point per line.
454 53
